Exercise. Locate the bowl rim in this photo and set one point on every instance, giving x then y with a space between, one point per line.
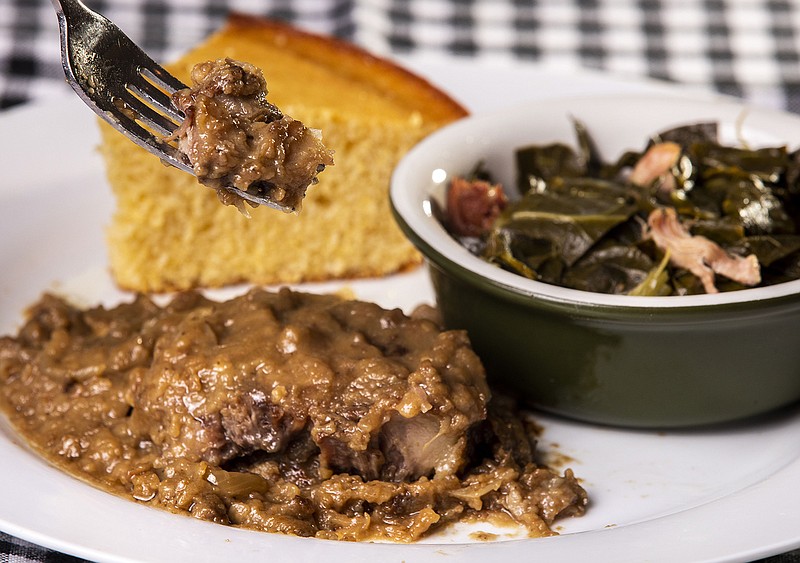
413 208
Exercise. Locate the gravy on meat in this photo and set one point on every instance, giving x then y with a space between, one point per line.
235 138
279 411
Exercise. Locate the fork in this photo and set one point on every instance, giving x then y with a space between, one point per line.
122 84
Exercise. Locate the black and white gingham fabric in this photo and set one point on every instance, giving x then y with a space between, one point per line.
746 48
13 550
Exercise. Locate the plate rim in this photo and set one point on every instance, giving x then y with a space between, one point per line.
642 531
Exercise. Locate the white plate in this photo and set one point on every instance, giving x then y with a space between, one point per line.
722 494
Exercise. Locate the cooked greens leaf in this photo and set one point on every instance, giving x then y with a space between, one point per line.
656 282
582 222
537 165
615 269
567 222
768 249
688 135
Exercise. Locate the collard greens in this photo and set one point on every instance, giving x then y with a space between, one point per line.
581 222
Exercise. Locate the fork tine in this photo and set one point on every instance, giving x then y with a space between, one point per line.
151 117
108 71
147 140
176 158
161 77
156 97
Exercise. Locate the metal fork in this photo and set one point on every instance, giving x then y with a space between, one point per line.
123 85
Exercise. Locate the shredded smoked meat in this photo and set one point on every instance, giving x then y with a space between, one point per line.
279 411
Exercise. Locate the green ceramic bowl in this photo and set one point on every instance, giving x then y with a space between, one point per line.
612 359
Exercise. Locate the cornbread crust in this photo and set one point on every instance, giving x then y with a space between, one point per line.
169 233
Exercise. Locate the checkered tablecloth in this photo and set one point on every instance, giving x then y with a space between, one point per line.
745 48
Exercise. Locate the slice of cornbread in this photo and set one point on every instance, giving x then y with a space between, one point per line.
168 232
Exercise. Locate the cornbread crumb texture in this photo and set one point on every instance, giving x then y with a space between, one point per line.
170 233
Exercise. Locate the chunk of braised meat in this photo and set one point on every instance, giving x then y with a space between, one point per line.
656 165
280 412
380 394
473 205
699 255
235 138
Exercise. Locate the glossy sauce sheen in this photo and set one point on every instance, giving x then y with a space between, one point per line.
282 412
235 138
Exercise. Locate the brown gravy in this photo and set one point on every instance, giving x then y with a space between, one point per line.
235 138
278 411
